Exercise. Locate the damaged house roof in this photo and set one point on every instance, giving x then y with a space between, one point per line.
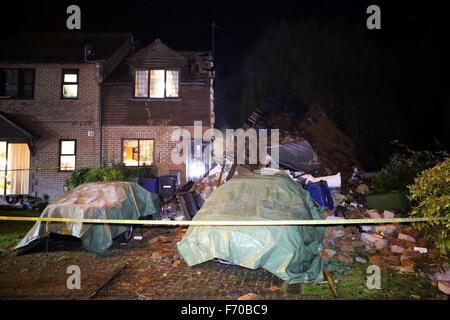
193 64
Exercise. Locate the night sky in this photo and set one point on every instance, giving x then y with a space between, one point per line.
187 26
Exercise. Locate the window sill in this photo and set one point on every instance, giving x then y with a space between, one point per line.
148 166
15 98
155 99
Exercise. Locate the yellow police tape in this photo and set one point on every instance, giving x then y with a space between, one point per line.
229 223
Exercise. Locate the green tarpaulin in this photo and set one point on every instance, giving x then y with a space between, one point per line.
289 252
97 200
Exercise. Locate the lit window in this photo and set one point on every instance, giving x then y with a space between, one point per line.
159 84
171 83
67 155
156 83
141 83
70 84
138 152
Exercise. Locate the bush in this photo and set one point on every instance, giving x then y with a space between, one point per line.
138 172
402 168
78 177
430 195
103 174
117 172
86 175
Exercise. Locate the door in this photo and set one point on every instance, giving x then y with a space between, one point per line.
14 168
198 159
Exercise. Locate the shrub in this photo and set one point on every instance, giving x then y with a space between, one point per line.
402 168
117 172
138 172
430 195
103 174
78 177
86 175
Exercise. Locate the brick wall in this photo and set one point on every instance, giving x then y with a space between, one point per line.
51 118
112 144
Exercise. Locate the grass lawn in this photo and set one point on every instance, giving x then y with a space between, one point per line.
11 232
352 284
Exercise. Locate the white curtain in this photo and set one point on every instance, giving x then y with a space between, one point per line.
145 152
2 166
141 83
172 83
18 158
156 83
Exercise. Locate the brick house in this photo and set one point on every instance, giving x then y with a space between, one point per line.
72 100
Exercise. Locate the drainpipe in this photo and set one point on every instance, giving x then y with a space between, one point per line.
87 51
100 122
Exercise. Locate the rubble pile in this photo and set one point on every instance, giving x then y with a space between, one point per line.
210 182
392 246
172 207
172 211
336 152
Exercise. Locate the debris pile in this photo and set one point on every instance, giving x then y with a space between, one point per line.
392 246
311 146
173 208
334 149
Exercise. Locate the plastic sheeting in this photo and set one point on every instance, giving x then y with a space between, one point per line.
97 200
289 252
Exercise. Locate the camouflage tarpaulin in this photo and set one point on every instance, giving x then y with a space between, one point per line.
97 200
289 252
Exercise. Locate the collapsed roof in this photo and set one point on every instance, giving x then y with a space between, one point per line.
336 152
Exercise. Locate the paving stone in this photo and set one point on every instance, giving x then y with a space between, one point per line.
405 261
373 214
361 260
344 258
388 214
406 237
397 249
347 249
444 286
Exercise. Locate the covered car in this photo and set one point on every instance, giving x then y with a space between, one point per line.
97 200
289 252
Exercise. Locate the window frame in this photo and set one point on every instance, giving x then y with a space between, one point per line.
70 71
60 154
20 83
139 152
134 82
148 97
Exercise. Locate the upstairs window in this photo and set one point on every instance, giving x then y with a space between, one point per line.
156 83
70 84
17 83
67 155
141 84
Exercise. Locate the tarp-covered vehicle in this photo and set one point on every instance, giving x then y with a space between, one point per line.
289 252
97 200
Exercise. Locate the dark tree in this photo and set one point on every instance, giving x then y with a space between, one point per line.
375 88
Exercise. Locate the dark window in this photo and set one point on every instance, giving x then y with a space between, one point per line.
67 151
69 84
17 83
